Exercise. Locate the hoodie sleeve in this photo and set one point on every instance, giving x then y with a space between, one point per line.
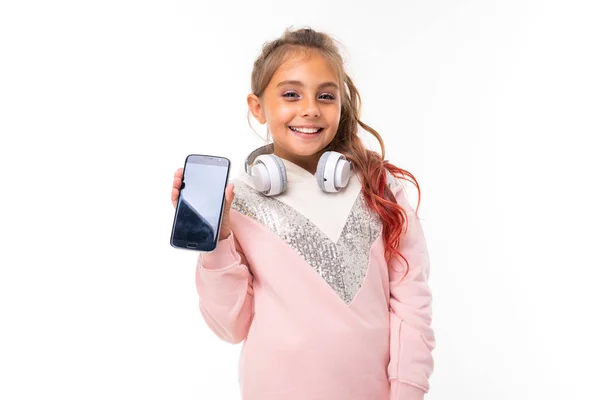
224 286
411 336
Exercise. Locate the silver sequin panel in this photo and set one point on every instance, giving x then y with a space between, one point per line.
343 264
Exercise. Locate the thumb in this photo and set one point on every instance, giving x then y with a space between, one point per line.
229 195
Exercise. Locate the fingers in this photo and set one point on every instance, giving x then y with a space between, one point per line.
177 183
178 178
174 196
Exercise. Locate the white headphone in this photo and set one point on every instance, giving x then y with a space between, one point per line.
269 175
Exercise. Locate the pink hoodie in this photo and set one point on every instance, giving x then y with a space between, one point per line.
303 280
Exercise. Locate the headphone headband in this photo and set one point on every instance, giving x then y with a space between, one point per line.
268 149
269 175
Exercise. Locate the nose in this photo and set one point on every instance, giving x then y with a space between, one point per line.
311 109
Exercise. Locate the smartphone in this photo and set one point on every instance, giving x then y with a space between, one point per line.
199 211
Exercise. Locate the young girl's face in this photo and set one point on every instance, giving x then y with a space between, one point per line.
302 97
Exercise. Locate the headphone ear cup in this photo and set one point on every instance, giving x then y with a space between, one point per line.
269 175
321 170
282 173
333 171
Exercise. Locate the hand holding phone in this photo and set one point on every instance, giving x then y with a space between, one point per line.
229 195
202 200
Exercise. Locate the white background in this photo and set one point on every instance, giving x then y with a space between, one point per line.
493 105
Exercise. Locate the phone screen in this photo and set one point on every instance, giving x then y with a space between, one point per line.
200 205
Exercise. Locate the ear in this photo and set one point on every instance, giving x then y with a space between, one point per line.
256 108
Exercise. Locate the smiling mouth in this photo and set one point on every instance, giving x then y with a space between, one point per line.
306 131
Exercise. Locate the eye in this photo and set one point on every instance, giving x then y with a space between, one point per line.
329 96
289 93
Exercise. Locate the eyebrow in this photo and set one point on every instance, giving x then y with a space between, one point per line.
298 83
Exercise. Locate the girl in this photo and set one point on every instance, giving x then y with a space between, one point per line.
321 266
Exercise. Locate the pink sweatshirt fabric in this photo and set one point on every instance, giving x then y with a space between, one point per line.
302 340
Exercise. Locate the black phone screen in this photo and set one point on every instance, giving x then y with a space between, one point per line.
200 205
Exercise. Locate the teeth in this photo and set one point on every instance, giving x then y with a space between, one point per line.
305 130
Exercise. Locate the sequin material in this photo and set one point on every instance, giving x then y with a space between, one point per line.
342 264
